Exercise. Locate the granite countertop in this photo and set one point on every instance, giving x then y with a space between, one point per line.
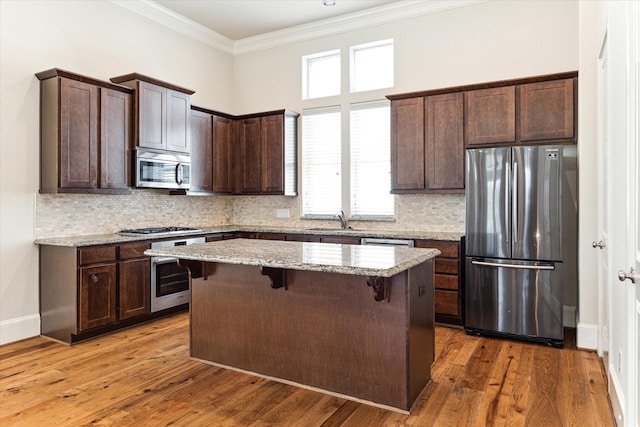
382 261
115 238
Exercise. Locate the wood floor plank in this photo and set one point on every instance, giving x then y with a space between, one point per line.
143 376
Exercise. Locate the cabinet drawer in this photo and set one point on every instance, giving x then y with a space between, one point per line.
446 281
448 266
343 240
447 249
270 236
447 303
97 254
134 250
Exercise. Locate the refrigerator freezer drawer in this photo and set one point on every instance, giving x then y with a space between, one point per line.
514 297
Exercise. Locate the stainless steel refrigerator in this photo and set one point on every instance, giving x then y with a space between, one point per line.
521 227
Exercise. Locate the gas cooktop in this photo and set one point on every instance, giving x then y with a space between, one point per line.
158 230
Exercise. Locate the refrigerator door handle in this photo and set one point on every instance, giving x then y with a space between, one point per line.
521 267
507 176
514 219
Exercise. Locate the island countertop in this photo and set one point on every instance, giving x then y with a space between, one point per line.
382 261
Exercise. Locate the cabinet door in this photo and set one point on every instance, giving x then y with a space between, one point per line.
444 129
490 116
115 139
249 157
201 151
407 144
178 115
152 126
97 296
222 155
79 105
546 110
134 285
272 165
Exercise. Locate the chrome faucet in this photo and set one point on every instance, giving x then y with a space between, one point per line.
343 220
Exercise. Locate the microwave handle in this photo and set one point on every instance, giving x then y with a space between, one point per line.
179 173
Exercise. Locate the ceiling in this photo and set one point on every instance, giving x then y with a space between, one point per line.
240 19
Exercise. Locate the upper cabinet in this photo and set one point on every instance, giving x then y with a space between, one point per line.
266 153
85 134
431 129
407 144
547 110
427 144
490 116
162 111
253 154
211 152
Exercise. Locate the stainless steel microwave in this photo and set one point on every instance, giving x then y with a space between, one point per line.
162 169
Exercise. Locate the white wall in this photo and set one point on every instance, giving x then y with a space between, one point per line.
485 42
97 39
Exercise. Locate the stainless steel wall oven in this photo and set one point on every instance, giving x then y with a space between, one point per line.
170 280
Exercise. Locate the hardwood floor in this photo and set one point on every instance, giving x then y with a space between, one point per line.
143 377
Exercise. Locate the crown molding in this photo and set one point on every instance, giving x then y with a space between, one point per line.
354 21
177 22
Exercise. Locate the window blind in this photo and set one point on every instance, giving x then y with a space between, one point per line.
321 162
370 159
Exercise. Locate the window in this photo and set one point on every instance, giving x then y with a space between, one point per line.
346 147
321 74
370 160
321 162
372 66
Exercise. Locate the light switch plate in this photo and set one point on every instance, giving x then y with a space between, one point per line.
282 213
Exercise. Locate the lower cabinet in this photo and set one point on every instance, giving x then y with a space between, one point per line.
90 290
97 296
134 279
448 280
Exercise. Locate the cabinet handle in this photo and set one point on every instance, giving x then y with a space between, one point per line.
94 278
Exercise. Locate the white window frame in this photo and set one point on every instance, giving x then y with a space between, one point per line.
353 66
344 100
306 79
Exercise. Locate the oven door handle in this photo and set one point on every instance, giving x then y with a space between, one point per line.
163 260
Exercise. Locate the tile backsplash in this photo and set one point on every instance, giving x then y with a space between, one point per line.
59 215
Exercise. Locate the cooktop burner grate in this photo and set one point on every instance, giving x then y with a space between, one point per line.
158 230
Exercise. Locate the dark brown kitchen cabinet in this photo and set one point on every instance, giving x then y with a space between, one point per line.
490 116
547 111
201 152
97 287
211 152
266 153
448 284
302 238
92 290
162 112
222 154
249 156
134 278
444 153
407 144
85 133
97 296
427 144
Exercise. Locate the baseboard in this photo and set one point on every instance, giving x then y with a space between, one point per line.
587 336
19 328
568 316
616 397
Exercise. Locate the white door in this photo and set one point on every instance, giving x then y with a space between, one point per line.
619 132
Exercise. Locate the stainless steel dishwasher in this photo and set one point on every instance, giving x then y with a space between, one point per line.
386 242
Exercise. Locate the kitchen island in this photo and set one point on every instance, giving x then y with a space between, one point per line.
353 321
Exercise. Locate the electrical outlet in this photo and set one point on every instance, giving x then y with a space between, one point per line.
282 213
